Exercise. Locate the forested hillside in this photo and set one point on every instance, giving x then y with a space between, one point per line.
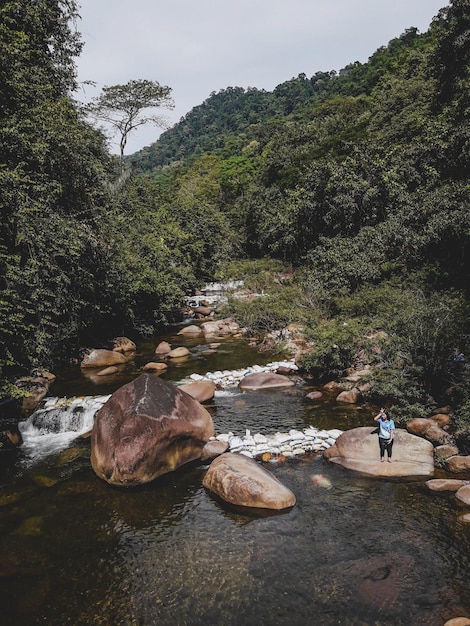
358 182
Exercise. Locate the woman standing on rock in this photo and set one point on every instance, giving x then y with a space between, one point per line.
386 433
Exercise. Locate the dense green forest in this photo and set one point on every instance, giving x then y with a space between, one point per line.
357 181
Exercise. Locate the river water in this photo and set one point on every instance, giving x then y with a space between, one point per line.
75 550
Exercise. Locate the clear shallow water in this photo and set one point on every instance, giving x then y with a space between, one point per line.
365 552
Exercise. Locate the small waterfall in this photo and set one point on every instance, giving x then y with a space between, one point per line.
57 423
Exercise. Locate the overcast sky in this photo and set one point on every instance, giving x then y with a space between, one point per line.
200 46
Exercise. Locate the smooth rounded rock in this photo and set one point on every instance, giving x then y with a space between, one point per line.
242 481
191 330
349 397
102 358
458 621
429 429
457 464
163 348
123 344
358 450
177 353
265 380
444 484
155 366
201 391
213 449
463 494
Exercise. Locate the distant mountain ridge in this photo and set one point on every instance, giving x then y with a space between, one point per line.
220 124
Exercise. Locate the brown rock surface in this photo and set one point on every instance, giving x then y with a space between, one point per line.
102 358
358 450
213 449
458 621
441 419
445 484
193 329
349 397
155 366
242 481
177 353
429 429
201 390
163 348
265 380
147 428
123 344
445 451
463 494
458 464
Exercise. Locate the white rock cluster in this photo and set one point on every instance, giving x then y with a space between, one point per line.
277 445
231 378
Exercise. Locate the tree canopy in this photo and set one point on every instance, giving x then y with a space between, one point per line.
123 106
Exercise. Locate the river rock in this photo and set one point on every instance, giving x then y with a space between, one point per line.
441 419
242 481
458 621
358 450
36 387
445 484
177 353
155 366
265 380
163 348
463 494
314 395
428 429
123 344
445 451
213 449
147 428
201 391
349 397
203 310
190 330
456 464
102 358
10 439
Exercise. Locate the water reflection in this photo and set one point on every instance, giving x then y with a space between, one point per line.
364 552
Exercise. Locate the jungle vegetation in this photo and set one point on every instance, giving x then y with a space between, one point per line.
357 181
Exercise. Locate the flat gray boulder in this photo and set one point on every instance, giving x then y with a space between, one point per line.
358 450
242 481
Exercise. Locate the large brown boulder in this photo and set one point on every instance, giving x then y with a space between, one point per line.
147 428
242 481
358 450
429 429
265 380
102 358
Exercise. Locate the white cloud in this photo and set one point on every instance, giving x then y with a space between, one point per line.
197 47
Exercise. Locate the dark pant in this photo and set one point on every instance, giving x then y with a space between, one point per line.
385 444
